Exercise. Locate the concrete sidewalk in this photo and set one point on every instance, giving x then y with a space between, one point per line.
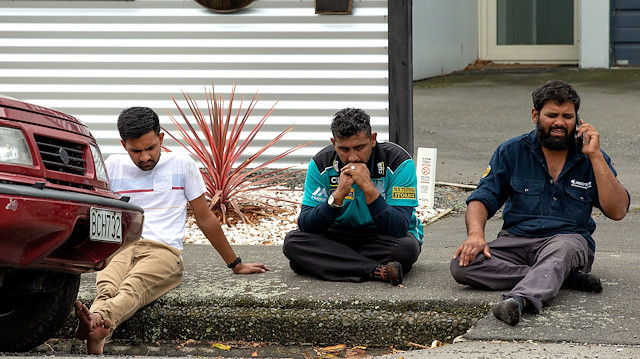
283 308
465 117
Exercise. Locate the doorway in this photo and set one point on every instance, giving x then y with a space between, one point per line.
529 31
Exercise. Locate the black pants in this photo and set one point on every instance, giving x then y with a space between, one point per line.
347 254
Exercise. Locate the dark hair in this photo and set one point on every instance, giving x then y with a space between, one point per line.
350 121
134 122
556 91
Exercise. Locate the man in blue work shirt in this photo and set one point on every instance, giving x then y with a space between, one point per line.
358 220
548 180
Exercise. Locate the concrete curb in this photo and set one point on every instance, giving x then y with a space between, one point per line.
283 308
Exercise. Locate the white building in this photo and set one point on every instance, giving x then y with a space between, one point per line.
450 35
93 58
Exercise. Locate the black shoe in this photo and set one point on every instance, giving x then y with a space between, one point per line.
584 282
508 311
391 272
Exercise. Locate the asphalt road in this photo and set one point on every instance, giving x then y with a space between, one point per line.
465 116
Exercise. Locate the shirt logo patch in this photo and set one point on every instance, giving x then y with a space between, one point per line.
349 196
403 193
320 194
487 171
582 185
381 168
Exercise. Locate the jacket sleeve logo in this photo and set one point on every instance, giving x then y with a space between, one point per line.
403 193
487 171
320 194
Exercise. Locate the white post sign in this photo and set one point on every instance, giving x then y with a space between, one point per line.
426 173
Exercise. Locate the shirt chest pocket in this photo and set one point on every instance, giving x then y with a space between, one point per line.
527 196
161 183
579 203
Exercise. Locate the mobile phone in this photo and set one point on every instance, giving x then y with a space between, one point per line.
579 139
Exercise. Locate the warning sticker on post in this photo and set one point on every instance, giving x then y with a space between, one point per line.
426 174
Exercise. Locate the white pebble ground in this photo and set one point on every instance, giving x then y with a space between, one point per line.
271 230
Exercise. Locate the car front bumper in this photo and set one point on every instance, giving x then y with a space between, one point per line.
49 229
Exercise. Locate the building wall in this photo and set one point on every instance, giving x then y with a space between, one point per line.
594 34
92 59
445 36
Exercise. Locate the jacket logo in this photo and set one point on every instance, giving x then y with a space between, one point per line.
486 172
582 185
381 168
403 193
320 194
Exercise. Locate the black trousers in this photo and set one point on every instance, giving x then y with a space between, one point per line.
347 254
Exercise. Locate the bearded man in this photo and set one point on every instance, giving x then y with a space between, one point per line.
548 181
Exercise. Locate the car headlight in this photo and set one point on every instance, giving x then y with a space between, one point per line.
13 147
98 164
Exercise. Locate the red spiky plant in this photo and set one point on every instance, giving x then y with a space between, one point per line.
221 147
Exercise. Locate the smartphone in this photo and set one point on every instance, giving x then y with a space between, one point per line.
579 139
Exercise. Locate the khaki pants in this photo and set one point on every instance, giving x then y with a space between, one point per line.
135 277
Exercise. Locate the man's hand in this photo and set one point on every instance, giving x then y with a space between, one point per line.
344 187
590 138
614 198
470 248
359 172
249 268
475 219
360 175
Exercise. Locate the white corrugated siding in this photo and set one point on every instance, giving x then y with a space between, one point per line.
91 59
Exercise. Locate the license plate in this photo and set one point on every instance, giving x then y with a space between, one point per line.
105 225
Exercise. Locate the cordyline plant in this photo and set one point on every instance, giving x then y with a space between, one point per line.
221 147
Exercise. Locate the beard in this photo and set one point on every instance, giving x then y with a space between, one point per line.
554 143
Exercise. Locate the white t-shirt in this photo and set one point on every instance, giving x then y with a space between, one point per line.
162 192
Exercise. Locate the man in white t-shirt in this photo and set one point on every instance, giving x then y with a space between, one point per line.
162 185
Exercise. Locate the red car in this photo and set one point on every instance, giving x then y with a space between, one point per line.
58 219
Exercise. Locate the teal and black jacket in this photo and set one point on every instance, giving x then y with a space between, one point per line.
393 212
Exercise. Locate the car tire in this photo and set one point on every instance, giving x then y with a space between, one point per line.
28 320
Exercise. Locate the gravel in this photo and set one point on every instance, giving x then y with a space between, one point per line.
271 230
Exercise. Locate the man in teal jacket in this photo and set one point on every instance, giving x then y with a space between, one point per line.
358 220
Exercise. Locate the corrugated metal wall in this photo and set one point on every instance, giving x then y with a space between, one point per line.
625 32
91 59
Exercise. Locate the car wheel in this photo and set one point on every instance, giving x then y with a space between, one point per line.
29 319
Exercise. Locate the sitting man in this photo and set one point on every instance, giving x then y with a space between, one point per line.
550 180
358 220
162 185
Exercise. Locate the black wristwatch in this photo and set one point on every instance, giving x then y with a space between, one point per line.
234 263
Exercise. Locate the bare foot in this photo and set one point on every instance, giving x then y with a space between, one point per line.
98 336
86 320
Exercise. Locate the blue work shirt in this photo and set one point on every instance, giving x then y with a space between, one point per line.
534 204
